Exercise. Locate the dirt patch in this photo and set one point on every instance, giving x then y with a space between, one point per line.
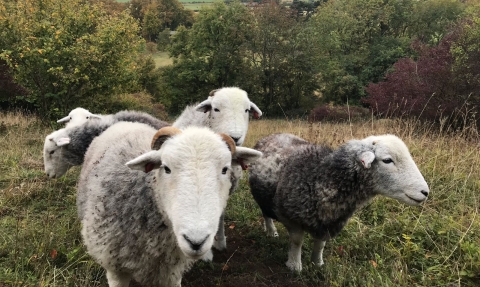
241 265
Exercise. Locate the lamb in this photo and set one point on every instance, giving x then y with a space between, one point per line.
77 117
66 147
226 110
148 215
316 189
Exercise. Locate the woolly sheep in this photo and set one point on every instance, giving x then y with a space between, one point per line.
77 117
316 189
66 147
226 110
149 214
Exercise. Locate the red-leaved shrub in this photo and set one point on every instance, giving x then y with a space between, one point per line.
333 113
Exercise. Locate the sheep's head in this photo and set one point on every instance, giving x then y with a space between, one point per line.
229 110
78 116
394 172
192 181
54 163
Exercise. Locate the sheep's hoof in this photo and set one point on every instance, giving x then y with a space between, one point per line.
220 243
272 233
208 257
318 263
294 266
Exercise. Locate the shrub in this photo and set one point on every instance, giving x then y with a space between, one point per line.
338 113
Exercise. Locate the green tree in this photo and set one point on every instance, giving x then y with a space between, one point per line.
209 55
68 52
281 55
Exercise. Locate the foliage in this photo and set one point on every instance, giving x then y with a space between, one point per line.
436 86
264 51
209 55
9 90
331 113
157 15
163 40
68 53
358 41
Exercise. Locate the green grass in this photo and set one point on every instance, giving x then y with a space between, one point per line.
162 59
385 244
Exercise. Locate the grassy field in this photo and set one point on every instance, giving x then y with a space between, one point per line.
384 244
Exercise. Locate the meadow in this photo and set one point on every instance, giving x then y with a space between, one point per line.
385 244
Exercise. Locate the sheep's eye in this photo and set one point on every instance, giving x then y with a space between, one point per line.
51 152
387 160
87 118
167 170
217 110
224 170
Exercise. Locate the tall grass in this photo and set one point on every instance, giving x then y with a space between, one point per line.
384 244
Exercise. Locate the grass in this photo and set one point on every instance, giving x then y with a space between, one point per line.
162 59
384 244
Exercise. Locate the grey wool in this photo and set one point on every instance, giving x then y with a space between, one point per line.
316 189
66 147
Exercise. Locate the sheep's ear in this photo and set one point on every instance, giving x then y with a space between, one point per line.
62 141
94 116
366 158
146 162
204 106
63 120
244 156
257 113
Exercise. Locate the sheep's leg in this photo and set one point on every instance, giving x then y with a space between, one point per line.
294 262
317 253
269 227
220 242
118 279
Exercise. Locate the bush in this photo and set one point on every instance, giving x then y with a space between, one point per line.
333 113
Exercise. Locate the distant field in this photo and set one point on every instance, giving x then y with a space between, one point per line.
188 4
162 59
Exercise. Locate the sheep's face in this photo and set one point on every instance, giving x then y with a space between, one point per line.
394 172
77 117
229 110
192 184
54 163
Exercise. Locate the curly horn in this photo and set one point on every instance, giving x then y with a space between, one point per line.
229 141
162 135
212 92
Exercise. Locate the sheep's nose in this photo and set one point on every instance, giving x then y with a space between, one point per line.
195 244
235 139
424 192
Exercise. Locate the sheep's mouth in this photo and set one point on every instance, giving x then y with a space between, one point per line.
413 199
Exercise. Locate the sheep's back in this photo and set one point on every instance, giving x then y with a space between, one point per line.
264 174
140 117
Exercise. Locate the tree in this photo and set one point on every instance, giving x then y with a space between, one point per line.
68 52
209 55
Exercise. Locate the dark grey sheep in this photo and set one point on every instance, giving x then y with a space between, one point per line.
316 189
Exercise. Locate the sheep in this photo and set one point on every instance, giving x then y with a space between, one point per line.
77 117
146 214
226 110
66 147
316 189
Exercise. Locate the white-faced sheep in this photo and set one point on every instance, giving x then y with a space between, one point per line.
316 189
66 147
227 111
150 218
77 117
